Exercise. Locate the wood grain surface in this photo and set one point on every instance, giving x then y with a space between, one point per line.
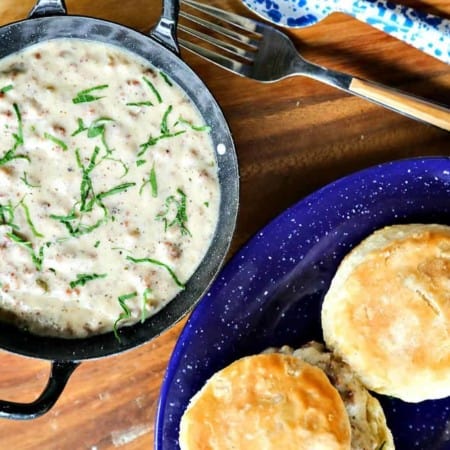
292 137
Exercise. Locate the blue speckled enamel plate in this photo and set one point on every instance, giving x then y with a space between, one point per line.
270 293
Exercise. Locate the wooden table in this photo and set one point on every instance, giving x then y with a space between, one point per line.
292 137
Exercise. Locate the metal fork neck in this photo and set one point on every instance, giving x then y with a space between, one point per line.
300 66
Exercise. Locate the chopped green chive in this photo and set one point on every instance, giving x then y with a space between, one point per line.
158 263
145 299
183 121
97 127
165 133
97 244
81 127
37 258
115 190
29 221
24 178
164 126
139 162
56 141
125 314
166 78
85 96
5 89
83 278
18 141
145 103
180 218
8 210
153 89
152 181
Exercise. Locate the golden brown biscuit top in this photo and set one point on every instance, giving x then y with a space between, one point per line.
387 312
267 401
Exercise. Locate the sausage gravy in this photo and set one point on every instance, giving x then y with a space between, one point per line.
109 192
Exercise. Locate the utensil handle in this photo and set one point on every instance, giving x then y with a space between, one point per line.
403 103
44 8
59 376
165 31
398 101
428 33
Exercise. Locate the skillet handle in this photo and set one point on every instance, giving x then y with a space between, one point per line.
165 31
60 373
44 8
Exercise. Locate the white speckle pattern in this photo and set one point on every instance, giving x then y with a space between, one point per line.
428 33
271 292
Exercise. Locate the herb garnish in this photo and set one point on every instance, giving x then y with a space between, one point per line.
139 162
183 121
157 263
80 228
166 78
86 187
24 178
126 314
29 221
5 89
153 89
88 199
152 181
37 258
18 141
164 130
95 129
83 278
85 96
9 210
180 218
145 299
56 141
114 190
145 103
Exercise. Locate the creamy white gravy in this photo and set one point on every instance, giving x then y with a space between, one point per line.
109 189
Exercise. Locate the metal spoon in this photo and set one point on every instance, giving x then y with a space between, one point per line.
427 32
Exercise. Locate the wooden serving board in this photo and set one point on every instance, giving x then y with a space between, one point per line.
292 137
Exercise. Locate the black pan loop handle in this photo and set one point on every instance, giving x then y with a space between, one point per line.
165 31
44 8
61 371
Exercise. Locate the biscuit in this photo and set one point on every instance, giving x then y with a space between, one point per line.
387 311
266 401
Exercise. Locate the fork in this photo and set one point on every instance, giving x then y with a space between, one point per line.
263 53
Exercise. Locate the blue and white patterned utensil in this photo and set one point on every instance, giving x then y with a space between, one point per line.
427 32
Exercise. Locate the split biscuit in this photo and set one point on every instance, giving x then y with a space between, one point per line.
266 401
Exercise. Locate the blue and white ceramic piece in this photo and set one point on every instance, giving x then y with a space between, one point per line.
271 292
427 32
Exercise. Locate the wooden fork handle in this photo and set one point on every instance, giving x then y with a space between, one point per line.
399 101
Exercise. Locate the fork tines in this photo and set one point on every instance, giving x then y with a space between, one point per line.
231 18
238 42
